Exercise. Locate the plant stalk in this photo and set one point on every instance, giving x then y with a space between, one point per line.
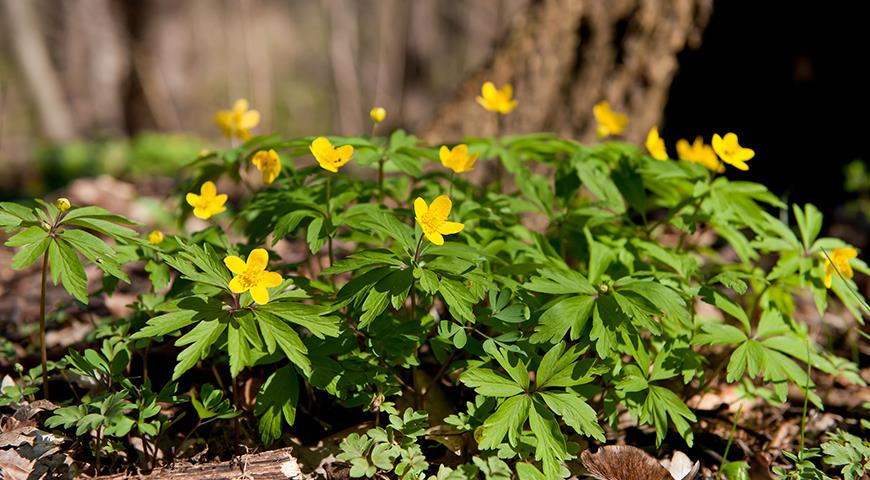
43 351
329 218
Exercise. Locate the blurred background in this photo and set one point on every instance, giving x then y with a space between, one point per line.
130 88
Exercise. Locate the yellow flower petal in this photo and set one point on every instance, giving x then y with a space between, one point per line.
420 207
270 279
240 106
203 213
440 208
250 119
488 90
235 264
260 295
257 260
192 199
344 153
434 237
208 189
448 228
236 285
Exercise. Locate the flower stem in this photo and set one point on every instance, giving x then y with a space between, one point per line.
42 347
381 179
730 439
329 218
452 179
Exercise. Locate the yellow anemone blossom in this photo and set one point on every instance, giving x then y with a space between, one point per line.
458 158
840 258
63 204
730 151
329 157
497 100
155 237
433 218
656 145
699 152
208 202
238 121
252 276
268 163
609 122
378 114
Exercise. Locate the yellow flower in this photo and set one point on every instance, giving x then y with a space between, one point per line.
655 145
609 122
252 276
208 202
62 204
155 237
457 159
378 114
699 152
730 151
433 219
269 164
327 156
497 100
238 121
840 257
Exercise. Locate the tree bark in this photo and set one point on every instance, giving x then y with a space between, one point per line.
36 68
563 56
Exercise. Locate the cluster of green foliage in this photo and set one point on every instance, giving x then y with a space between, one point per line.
542 335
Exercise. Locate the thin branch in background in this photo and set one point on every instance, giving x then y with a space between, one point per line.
259 65
393 19
342 49
40 76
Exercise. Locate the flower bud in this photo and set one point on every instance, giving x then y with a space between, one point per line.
155 237
62 204
378 114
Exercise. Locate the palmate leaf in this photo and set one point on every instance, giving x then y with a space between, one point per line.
661 404
571 313
95 250
551 448
575 412
67 268
507 420
200 340
315 318
277 333
490 383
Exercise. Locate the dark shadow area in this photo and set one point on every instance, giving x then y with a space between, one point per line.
787 78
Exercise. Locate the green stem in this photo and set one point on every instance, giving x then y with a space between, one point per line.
730 440
42 348
329 218
381 179
450 188
806 396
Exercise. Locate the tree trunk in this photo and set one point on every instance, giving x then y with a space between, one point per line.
563 56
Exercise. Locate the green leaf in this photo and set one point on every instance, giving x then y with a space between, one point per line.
30 253
277 400
277 332
200 339
560 281
551 447
506 420
809 223
489 383
458 298
575 412
568 313
95 250
315 236
315 318
70 271
600 184
728 306
719 334
27 236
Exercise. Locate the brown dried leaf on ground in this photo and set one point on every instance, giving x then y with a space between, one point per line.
624 462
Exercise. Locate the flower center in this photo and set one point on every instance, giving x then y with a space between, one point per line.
249 279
